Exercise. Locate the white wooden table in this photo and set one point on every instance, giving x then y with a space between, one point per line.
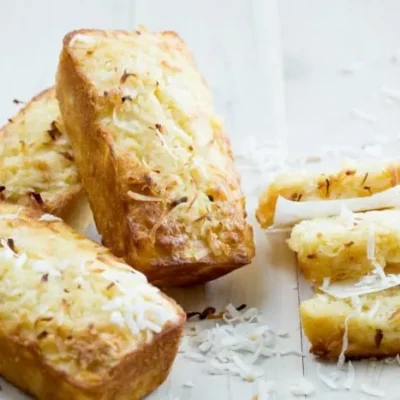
292 73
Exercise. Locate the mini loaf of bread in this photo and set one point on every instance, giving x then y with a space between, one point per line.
37 166
75 322
358 180
153 157
347 249
370 328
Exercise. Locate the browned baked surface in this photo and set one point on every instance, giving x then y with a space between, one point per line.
153 157
37 166
370 333
76 323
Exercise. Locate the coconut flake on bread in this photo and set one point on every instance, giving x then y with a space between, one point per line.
352 181
76 322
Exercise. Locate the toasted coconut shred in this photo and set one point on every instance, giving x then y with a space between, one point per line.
237 345
234 345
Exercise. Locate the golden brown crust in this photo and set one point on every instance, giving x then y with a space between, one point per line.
136 376
30 125
125 224
30 361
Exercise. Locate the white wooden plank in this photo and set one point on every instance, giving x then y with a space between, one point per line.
319 39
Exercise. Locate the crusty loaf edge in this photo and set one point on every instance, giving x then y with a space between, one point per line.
111 221
138 374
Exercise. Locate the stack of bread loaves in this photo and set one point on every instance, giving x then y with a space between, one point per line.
131 125
346 236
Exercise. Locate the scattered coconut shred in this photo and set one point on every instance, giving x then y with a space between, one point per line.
236 345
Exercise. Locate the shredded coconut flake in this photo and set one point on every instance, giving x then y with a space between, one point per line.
391 94
265 390
11 216
165 144
351 373
117 318
367 284
20 261
373 311
345 343
371 243
49 218
235 346
282 333
372 391
378 270
326 379
82 39
326 282
142 197
195 357
289 213
356 303
302 388
347 216
188 384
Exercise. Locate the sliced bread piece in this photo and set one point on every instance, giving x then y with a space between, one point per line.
351 181
367 326
348 248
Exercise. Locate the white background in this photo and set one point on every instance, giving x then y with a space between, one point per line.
276 73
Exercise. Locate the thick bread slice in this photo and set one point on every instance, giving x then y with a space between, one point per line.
75 322
351 181
330 248
37 165
373 332
154 159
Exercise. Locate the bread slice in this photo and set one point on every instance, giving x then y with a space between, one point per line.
330 248
371 331
37 166
154 159
76 322
353 180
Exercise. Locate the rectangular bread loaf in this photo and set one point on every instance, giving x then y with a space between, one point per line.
153 157
342 249
371 328
37 167
75 322
352 180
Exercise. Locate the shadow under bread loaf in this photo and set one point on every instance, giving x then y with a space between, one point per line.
154 159
76 322
37 167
